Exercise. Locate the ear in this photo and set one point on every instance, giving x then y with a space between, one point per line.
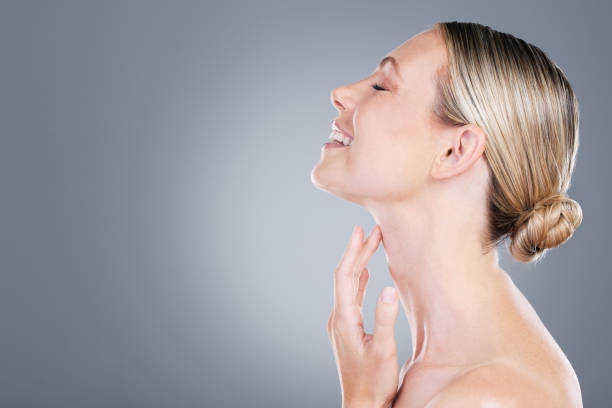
461 148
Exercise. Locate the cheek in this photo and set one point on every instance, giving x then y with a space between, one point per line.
390 153
387 131
390 125
389 117
381 163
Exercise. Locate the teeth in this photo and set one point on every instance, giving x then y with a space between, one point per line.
336 136
345 140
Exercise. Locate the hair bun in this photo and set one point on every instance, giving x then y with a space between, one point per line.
549 223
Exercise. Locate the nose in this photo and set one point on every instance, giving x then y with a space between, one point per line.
340 98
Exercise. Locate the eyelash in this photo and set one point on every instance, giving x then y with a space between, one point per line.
378 87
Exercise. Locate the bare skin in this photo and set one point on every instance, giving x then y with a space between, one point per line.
527 365
424 185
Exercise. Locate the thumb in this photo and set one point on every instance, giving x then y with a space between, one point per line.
385 318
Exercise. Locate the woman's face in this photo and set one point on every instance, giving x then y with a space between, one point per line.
393 133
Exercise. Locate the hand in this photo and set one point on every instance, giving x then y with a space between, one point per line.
367 363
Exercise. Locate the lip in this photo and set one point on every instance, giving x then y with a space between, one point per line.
339 129
333 145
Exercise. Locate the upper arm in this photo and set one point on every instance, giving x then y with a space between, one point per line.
465 394
488 387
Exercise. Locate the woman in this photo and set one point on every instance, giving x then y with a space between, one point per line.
462 137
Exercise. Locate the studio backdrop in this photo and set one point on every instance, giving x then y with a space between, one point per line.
162 244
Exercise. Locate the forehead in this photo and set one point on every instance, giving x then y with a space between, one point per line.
420 55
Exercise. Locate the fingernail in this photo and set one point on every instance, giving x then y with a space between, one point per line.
388 295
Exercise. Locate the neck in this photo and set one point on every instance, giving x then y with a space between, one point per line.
452 293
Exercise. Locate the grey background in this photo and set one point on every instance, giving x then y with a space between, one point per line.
161 242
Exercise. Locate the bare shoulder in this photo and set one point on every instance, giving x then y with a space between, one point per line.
500 386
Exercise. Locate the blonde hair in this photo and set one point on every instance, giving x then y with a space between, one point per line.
526 107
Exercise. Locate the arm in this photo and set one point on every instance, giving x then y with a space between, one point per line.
487 387
477 396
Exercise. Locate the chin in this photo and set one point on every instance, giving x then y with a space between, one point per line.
318 179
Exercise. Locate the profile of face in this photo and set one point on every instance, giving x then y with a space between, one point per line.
389 116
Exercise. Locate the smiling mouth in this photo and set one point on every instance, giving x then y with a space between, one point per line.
340 138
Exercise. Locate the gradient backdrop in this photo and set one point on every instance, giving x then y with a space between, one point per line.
161 242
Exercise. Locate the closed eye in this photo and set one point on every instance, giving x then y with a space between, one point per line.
378 87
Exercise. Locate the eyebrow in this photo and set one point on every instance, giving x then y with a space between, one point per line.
394 63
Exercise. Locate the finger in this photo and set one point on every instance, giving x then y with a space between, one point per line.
384 320
363 282
369 247
359 263
352 251
344 289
